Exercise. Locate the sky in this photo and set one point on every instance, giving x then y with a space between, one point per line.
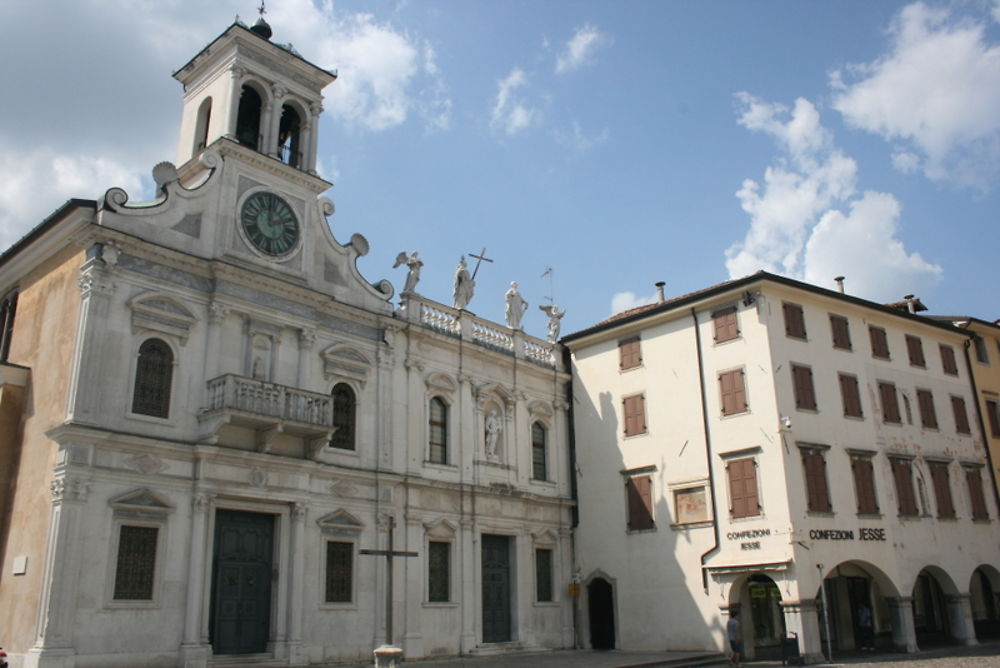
619 143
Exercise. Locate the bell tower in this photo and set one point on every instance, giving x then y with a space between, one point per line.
256 92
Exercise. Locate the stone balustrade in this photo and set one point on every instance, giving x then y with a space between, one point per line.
464 325
257 397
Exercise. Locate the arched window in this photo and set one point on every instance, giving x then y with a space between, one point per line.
201 128
248 119
8 309
438 441
539 437
153 375
289 144
344 407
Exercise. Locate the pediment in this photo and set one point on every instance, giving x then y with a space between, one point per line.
441 382
345 360
161 312
441 528
142 500
540 408
545 537
340 523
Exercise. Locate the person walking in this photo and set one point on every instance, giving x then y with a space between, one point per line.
734 633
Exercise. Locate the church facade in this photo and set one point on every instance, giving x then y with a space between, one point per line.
222 441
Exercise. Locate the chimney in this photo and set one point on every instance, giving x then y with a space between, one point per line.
839 280
659 291
911 303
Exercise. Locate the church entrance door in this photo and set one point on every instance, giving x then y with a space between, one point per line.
496 588
241 582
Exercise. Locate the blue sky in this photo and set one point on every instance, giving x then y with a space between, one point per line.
619 143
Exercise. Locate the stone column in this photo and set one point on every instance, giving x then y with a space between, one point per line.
271 120
194 648
296 590
960 618
57 610
904 634
216 316
236 92
307 339
468 596
802 620
312 138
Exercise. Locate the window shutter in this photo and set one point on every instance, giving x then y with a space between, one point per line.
942 490
629 353
640 503
864 482
890 405
805 396
818 494
975 481
948 363
725 324
841 332
961 416
634 409
993 416
850 395
743 487
928 416
879 341
903 475
795 324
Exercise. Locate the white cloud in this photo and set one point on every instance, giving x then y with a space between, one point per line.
578 140
796 225
579 49
511 114
623 301
935 95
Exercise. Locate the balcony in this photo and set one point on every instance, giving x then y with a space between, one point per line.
269 409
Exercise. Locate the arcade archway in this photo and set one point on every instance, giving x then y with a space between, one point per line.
984 591
857 611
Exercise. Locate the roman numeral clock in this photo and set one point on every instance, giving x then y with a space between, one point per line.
269 224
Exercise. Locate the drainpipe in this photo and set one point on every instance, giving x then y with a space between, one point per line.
979 419
708 454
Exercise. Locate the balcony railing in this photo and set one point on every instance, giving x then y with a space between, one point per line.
266 403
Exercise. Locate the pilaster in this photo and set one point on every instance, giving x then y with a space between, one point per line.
92 340
802 620
469 593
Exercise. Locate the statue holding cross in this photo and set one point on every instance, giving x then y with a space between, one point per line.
465 283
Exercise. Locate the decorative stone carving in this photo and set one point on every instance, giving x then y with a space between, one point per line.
298 512
343 489
141 503
146 464
464 285
202 501
217 312
514 306
258 477
68 489
343 360
164 173
413 363
494 425
340 523
307 338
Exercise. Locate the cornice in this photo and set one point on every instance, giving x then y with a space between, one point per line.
272 166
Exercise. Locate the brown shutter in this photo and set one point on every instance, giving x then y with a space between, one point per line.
880 343
795 323
948 363
850 395
942 490
928 416
993 417
725 324
890 404
640 502
629 353
915 350
635 414
733 391
864 484
975 481
961 416
743 487
818 494
841 332
802 382
903 477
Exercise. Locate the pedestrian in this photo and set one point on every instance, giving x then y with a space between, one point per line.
866 631
735 636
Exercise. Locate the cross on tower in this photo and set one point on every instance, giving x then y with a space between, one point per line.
481 258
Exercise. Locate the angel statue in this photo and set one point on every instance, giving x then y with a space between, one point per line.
464 285
555 315
413 264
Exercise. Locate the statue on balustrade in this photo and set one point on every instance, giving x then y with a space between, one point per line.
515 306
555 317
413 264
464 285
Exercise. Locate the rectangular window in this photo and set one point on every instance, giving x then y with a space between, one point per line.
725 324
795 322
948 363
539 440
733 389
802 383
743 498
437 451
817 490
902 475
864 484
890 402
339 572
979 343
543 575
841 332
850 395
438 572
639 491
974 478
635 414
928 416
136 563
629 353
993 417
690 505
880 342
961 415
915 350
942 490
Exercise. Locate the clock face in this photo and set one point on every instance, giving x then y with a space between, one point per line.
269 223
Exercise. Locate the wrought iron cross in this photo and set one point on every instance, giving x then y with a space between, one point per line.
389 553
480 259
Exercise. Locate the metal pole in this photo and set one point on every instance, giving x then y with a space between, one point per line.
826 613
388 588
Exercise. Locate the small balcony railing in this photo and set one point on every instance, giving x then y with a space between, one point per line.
261 403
